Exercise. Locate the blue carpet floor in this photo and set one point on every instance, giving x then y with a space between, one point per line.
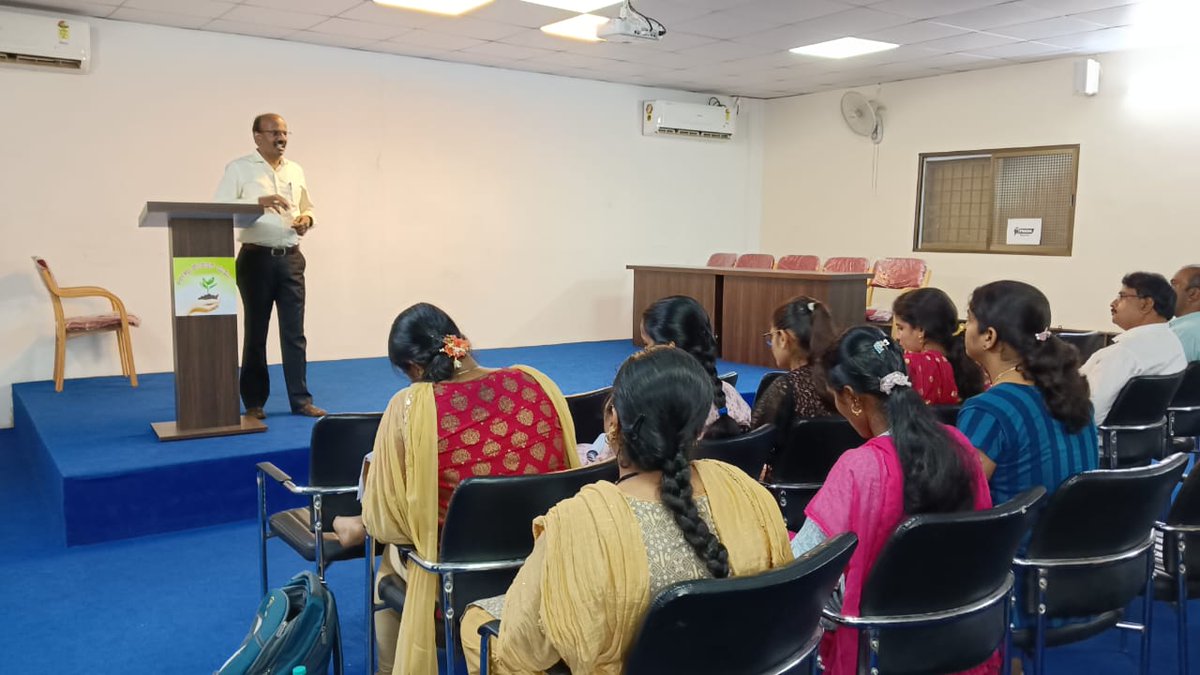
182 602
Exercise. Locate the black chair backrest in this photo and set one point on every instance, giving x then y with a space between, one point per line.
767 380
946 414
810 449
730 378
338 444
490 518
1096 514
1143 400
1087 343
587 412
1184 511
747 452
940 562
1186 422
747 625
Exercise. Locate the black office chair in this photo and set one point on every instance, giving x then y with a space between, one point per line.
1178 580
946 414
731 378
485 538
767 380
587 412
1135 430
1087 343
938 597
1091 554
802 461
1183 414
336 450
747 452
767 623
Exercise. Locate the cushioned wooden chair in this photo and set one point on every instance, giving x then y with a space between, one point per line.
799 263
896 274
117 321
846 265
756 261
722 259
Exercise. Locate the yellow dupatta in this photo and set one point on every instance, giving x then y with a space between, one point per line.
588 599
400 504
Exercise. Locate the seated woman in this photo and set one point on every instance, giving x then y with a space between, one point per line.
457 420
910 465
1034 425
801 330
601 556
926 326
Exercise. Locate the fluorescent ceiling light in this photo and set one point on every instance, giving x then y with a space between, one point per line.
580 6
582 27
843 48
447 7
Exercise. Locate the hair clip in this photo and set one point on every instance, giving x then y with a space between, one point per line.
962 328
455 347
1042 336
881 345
892 380
812 306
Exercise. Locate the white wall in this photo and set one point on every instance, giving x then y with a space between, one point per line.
1136 175
512 199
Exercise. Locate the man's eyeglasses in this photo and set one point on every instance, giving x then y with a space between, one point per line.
1122 296
273 132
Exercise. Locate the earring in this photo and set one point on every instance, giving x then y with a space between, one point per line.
855 409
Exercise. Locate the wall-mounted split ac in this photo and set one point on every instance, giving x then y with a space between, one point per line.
671 118
45 41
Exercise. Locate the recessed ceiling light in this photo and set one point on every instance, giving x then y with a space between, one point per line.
581 6
582 27
843 48
447 7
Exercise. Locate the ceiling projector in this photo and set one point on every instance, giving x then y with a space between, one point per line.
628 30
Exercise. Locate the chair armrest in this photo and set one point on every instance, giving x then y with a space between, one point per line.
792 486
1184 529
490 629
94 292
1127 554
998 595
447 568
286 481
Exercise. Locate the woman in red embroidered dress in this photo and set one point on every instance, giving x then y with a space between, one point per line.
925 323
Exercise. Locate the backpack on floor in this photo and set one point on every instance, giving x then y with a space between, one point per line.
296 625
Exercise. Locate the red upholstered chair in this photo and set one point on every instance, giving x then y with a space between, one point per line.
66 327
847 265
895 273
722 259
799 263
756 261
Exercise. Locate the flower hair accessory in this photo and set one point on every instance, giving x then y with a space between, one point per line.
1042 336
881 345
455 347
892 380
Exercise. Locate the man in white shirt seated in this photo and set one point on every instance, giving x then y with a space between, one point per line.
1148 346
1186 323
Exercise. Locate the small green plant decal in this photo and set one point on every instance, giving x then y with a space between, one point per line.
208 283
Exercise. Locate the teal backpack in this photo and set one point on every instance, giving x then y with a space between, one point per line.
296 625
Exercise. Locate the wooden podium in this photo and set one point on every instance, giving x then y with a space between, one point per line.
205 330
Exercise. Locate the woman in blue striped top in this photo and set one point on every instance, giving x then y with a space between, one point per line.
1034 425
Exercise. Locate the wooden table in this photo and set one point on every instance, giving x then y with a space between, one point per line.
740 301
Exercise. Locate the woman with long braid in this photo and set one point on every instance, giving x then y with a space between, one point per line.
600 557
909 465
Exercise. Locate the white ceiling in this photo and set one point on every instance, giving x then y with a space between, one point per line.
734 47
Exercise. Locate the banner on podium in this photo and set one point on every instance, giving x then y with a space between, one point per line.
205 286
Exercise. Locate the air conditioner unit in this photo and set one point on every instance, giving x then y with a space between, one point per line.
44 41
671 118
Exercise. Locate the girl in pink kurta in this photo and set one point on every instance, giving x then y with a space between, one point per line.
909 465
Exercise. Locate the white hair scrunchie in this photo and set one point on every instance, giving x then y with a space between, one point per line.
892 380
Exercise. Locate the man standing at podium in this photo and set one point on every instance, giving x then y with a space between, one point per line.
270 267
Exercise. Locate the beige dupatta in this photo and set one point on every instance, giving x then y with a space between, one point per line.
587 600
400 504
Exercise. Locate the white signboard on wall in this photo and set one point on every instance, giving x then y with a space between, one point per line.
1024 231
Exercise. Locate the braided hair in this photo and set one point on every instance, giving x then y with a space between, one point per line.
416 339
682 322
936 479
661 402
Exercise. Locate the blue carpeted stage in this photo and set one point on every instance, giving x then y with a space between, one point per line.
107 477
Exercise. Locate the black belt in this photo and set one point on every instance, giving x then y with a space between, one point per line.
276 251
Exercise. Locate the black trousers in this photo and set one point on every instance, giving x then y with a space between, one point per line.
265 280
